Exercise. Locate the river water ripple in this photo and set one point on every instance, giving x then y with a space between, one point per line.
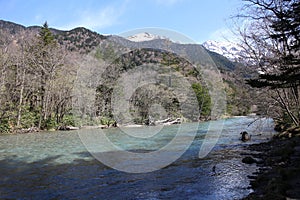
56 165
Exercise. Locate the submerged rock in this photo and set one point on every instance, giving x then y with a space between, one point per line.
248 160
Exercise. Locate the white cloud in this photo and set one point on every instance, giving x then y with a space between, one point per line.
97 19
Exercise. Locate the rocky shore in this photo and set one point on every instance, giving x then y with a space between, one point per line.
278 160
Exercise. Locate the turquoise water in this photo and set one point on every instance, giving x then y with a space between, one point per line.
58 165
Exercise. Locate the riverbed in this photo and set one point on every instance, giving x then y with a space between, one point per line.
60 165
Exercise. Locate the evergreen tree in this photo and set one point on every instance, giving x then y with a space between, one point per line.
273 42
46 37
204 100
286 32
46 58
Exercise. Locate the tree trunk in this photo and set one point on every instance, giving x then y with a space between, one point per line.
21 100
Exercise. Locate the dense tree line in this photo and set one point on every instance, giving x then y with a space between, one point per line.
38 76
42 71
35 87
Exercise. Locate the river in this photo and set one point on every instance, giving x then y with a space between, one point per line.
58 165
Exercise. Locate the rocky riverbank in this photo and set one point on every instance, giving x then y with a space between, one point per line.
279 167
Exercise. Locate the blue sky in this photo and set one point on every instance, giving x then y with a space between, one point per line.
199 20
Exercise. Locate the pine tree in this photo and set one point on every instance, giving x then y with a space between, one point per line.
204 100
273 41
46 58
46 37
285 31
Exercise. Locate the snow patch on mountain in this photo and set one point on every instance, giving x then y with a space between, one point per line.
227 49
141 37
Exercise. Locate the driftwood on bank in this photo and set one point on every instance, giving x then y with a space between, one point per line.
67 128
168 121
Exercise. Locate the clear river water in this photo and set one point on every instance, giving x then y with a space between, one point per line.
58 165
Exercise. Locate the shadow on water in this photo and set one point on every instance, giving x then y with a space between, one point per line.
188 177
220 175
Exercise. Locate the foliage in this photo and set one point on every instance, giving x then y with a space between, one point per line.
35 88
4 125
204 100
46 37
272 41
29 117
69 120
107 53
49 124
238 98
107 121
157 100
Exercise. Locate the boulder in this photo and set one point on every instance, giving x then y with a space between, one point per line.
251 160
245 136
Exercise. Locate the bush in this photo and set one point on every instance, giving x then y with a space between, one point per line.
29 118
107 121
69 120
49 124
4 126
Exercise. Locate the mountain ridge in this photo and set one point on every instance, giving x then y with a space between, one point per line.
84 40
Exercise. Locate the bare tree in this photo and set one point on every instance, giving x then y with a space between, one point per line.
270 36
46 58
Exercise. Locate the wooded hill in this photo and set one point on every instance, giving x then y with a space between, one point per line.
51 78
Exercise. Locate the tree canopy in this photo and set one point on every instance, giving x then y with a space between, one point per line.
272 43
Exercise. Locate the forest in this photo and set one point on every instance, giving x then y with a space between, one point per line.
39 67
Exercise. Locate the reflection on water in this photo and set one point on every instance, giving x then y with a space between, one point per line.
57 166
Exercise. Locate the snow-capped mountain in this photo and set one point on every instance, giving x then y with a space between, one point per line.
140 37
227 49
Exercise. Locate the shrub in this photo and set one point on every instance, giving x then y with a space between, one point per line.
4 126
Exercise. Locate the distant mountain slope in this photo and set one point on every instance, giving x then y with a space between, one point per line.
11 27
80 39
84 41
193 52
227 49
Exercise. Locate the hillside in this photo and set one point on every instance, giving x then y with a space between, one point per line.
79 76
